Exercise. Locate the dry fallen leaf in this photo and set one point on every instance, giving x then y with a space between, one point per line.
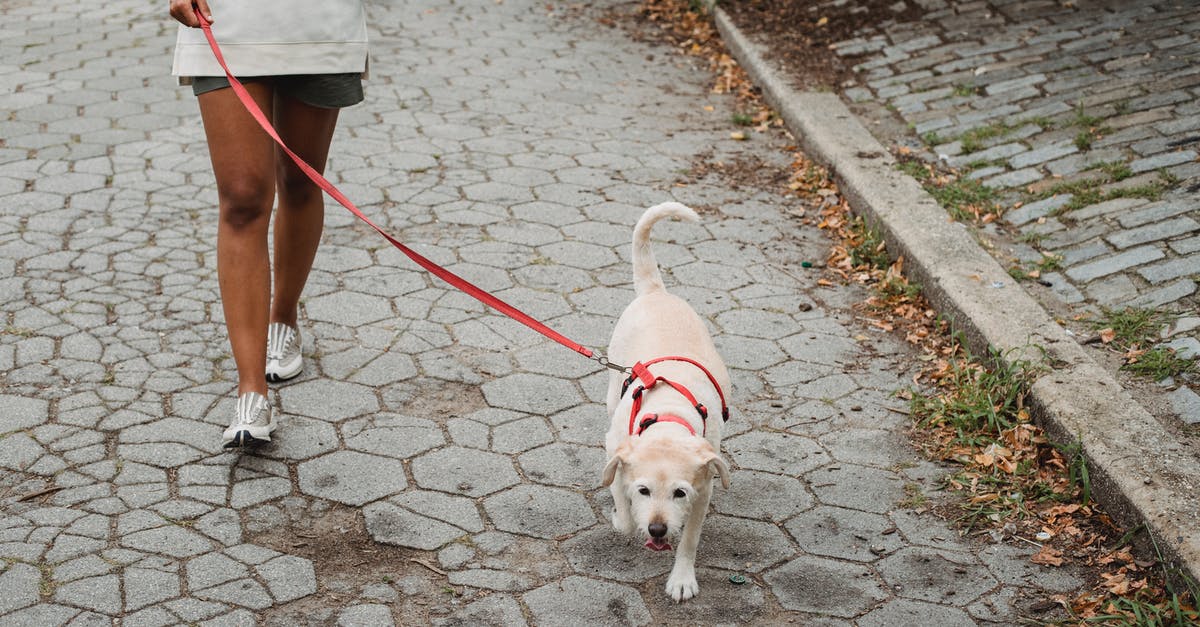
1047 557
1107 335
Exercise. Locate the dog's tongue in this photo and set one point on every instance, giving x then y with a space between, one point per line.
656 544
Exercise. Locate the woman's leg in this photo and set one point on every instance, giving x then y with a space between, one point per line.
307 130
244 165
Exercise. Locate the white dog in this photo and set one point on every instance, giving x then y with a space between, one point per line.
665 437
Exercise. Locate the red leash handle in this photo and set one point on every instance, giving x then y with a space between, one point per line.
442 273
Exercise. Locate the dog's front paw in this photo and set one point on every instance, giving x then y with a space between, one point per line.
682 587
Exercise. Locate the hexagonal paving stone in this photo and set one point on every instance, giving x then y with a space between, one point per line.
328 400
539 511
351 477
102 594
778 453
288 577
705 274
521 435
584 424
22 413
495 255
536 220
566 194
827 388
824 586
458 470
820 348
172 540
719 601
494 609
348 308
341 259
858 487
603 552
531 393
748 353
937 576
845 533
144 586
581 601
763 496
365 615
742 545
870 447
502 193
393 435
391 524
248 491
1011 565
20 583
568 465
756 323
297 437
907 612
579 255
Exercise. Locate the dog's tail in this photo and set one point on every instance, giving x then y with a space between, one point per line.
646 277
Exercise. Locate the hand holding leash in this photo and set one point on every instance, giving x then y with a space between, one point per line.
190 12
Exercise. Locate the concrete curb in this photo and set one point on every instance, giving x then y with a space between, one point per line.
1138 470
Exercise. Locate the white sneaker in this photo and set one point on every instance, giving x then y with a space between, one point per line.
283 352
252 422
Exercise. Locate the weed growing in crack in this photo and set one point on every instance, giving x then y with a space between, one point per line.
867 245
1160 363
1131 332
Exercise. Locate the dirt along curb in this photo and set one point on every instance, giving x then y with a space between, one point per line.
1139 471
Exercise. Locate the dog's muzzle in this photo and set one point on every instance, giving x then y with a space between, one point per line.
658 537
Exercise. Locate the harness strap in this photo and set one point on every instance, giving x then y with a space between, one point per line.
641 373
652 419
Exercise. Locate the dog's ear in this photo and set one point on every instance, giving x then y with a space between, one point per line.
716 465
610 469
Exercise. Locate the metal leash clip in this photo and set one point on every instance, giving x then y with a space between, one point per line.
610 365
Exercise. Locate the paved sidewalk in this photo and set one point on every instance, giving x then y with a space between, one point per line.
1026 97
436 463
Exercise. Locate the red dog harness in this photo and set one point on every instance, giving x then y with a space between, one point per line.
641 373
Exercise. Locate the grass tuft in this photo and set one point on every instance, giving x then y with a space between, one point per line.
1131 332
1159 363
866 245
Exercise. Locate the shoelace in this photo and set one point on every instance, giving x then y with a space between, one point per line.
249 408
278 341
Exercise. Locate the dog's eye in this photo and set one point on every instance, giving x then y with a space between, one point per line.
679 493
644 491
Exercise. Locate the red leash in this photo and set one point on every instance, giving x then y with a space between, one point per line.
442 273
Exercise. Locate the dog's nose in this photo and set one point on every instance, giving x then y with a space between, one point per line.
657 530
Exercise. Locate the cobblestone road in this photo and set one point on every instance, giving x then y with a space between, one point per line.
436 462
1086 112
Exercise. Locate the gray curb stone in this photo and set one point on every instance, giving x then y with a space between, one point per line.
1138 469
